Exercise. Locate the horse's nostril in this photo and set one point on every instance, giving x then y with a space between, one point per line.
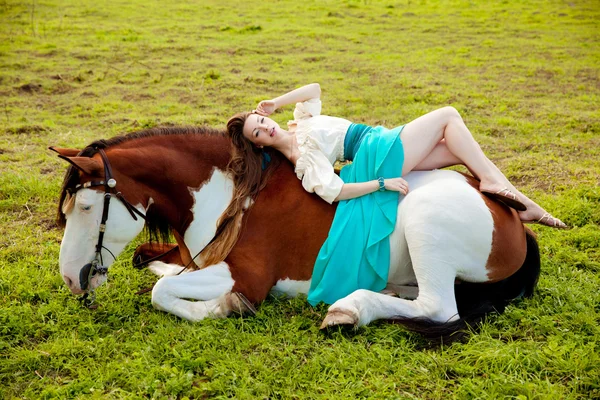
67 281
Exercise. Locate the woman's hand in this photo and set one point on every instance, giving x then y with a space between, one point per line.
396 185
266 108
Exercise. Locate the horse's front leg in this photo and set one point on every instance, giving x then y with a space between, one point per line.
210 286
165 252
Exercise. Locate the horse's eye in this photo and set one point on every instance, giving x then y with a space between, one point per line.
86 208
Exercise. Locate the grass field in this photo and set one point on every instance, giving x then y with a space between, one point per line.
525 76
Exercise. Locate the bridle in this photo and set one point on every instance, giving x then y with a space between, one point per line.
96 266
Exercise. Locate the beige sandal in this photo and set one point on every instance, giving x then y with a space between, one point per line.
548 220
506 197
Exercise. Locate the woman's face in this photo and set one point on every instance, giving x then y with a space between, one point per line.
262 131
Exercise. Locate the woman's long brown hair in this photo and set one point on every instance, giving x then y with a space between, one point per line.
246 168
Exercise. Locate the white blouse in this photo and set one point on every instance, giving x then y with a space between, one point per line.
321 142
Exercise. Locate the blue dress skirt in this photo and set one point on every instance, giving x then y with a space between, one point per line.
356 254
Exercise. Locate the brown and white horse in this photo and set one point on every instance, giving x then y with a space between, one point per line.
453 251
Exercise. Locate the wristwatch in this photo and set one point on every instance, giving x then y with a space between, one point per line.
381 184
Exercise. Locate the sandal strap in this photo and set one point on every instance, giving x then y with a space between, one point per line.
548 219
508 193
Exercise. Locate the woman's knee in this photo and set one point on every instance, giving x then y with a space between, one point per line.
450 112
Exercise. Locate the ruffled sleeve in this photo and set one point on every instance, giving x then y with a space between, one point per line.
307 109
304 111
318 176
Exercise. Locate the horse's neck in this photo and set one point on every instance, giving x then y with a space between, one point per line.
183 183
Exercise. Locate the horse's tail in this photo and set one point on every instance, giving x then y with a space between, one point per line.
476 300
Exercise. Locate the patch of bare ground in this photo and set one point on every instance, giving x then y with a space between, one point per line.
547 180
47 54
589 76
138 97
175 93
133 123
49 224
47 170
67 77
546 174
82 56
188 99
30 88
61 87
27 129
567 151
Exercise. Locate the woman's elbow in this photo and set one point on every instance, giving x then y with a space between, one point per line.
341 196
316 88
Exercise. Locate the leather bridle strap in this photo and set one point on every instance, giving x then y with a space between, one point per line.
110 183
96 265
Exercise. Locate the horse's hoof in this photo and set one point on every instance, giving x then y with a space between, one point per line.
339 317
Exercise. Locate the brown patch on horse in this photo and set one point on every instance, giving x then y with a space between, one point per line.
509 246
184 252
148 251
267 239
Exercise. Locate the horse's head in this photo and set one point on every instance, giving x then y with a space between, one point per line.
155 174
99 220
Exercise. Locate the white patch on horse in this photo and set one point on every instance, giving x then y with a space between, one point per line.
290 287
449 217
210 201
206 285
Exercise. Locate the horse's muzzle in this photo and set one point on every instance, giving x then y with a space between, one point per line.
88 271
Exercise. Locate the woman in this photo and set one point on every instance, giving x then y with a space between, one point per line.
380 157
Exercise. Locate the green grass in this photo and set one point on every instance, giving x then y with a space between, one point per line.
525 77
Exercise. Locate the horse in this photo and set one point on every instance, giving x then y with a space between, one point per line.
456 255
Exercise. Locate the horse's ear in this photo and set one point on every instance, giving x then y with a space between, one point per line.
65 152
88 165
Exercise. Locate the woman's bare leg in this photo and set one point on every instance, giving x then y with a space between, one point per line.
421 136
440 157
440 139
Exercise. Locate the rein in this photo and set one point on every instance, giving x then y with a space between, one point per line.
96 266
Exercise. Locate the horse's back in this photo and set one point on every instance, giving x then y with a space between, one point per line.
445 220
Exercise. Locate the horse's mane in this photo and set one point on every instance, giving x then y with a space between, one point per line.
156 227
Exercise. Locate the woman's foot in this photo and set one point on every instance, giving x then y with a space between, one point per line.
545 219
504 196
537 215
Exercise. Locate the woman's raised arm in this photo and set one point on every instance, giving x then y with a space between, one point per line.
311 91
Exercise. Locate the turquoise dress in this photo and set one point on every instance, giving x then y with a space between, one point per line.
356 254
